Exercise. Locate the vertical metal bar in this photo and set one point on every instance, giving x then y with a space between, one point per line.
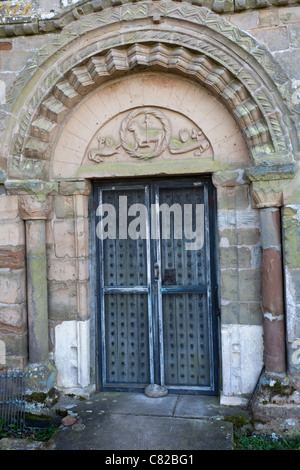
18 401
8 397
5 400
1 398
12 399
208 278
24 382
149 283
159 291
102 303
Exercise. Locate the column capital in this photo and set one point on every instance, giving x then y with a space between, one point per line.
262 199
31 208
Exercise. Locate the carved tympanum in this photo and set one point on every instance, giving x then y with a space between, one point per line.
146 133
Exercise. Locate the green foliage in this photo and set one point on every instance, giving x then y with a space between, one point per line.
38 397
61 413
42 434
238 421
276 388
266 443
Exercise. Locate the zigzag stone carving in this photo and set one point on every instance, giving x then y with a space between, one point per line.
82 80
16 16
251 92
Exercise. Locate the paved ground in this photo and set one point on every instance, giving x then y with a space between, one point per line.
130 421
134 422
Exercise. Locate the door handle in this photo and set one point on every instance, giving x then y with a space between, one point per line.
156 271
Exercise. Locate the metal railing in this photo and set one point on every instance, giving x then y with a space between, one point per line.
12 399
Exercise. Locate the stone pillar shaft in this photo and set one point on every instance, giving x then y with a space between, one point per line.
35 213
272 291
37 301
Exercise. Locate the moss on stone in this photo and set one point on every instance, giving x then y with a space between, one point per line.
37 397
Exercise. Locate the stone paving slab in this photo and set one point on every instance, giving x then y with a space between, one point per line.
195 406
133 421
132 432
132 403
19 444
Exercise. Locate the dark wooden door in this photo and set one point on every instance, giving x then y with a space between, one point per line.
157 286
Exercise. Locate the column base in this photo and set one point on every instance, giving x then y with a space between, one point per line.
276 404
40 377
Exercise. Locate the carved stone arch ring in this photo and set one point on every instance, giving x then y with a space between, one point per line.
145 137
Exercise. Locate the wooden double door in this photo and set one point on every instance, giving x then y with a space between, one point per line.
156 285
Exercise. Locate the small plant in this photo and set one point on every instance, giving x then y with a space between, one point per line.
43 434
238 421
61 413
275 388
37 397
35 434
266 443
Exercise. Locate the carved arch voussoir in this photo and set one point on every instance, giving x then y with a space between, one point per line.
70 90
248 93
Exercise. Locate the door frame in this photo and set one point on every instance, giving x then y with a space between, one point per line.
214 290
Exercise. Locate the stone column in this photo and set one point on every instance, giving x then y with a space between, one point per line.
272 280
35 213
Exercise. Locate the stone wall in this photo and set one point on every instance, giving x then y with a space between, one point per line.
23 33
279 30
13 314
68 284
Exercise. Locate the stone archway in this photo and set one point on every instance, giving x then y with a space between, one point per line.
171 40
95 141
117 40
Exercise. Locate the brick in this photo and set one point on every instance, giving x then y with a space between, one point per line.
62 300
74 187
245 21
275 39
255 313
71 206
235 313
234 197
30 43
49 234
63 207
294 34
13 315
289 15
83 269
268 18
82 235
229 285
5 46
14 62
12 233
61 270
16 344
81 205
9 207
249 288
291 239
233 257
241 236
17 362
290 62
12 286
13 259
64 238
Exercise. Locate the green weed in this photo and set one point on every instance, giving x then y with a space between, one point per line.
266 443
